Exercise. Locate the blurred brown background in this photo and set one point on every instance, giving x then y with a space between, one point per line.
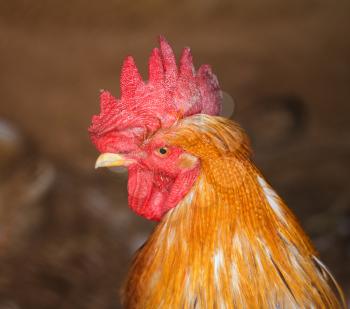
66 233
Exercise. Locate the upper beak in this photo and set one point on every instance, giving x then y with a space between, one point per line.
112 159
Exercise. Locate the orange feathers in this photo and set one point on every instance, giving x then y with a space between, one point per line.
231 242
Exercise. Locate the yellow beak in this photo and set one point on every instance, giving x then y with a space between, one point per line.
112 159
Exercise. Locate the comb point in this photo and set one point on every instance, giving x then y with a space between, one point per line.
130 77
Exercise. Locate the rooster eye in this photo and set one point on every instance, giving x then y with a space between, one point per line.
162 151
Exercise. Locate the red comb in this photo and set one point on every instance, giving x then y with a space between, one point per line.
144 107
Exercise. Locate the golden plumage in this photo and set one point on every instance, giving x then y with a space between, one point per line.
231 242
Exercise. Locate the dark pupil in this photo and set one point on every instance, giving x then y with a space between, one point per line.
162 150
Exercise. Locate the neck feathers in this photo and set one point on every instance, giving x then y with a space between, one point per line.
231 243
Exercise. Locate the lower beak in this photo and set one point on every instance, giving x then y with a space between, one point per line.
112 159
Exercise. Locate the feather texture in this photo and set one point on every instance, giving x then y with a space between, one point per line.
231 242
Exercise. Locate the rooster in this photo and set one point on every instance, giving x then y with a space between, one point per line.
225 239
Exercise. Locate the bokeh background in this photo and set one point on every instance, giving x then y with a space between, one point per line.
66 233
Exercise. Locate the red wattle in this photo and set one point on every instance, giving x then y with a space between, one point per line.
151 195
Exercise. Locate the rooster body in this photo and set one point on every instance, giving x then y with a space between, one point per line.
225 239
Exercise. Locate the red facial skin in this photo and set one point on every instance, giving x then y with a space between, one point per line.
157 182
173 92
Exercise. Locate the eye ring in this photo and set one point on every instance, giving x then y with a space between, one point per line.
162 151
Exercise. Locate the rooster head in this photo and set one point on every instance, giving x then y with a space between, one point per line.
130 131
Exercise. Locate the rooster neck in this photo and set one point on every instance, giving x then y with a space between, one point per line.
229 245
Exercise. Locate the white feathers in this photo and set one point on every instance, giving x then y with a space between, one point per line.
218 263
325 271
170 238
327 274
189 197
235 277
272 198
236 243
188 281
